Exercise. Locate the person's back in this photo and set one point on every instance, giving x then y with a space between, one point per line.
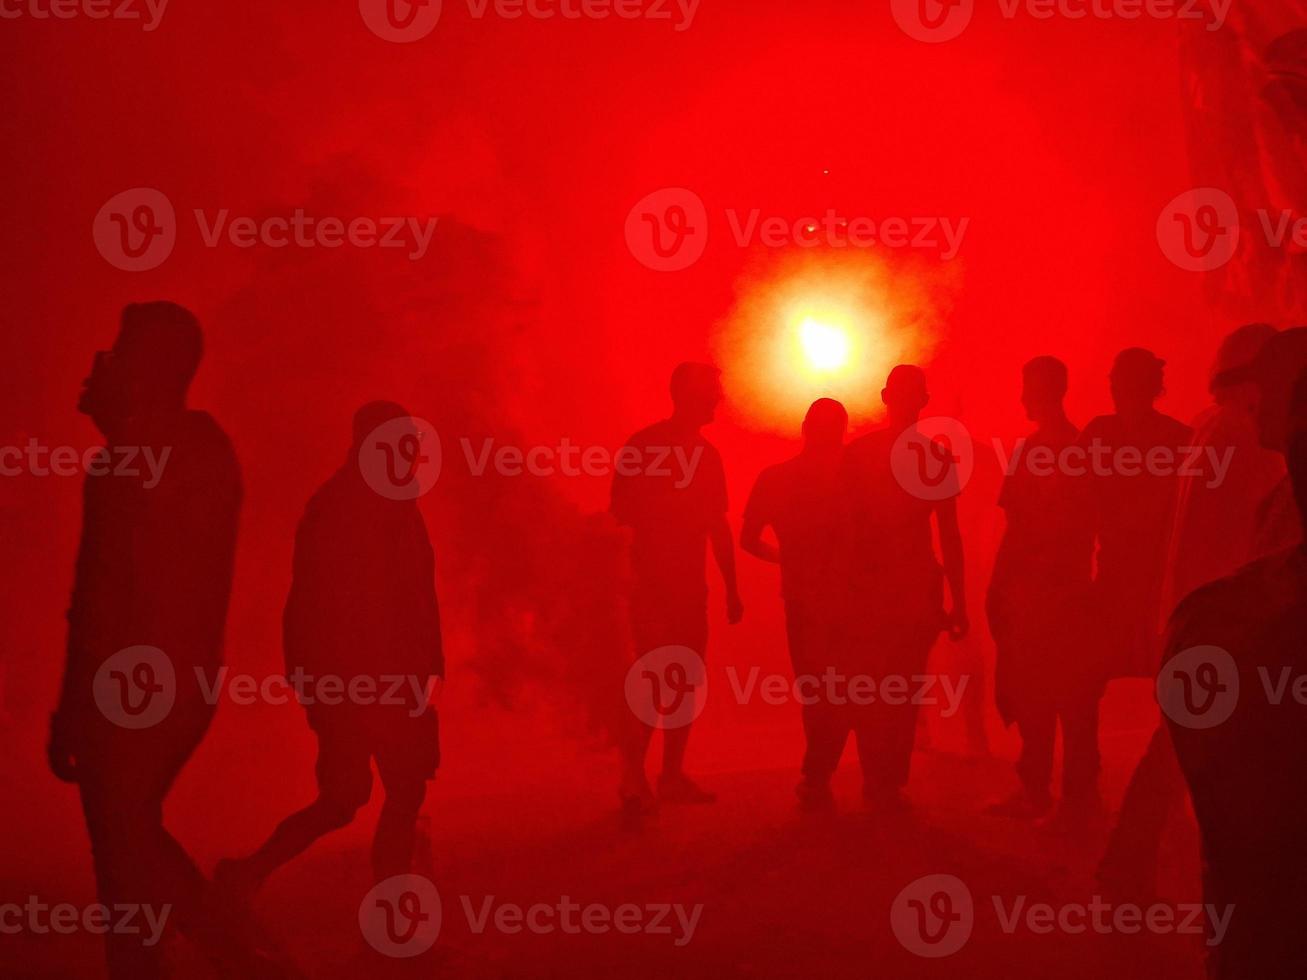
801 498
891 541
362 597
670 500
1248 775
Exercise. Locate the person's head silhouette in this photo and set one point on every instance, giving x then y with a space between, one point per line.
905 394
148 369
372 416
1137 380
696 392
1275 370
824 426
1043 388
1240 349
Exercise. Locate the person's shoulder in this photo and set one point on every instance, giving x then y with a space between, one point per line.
1242 599
649 435
1099 425
1174 429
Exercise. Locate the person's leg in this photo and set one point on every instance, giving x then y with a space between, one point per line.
686 624
908 649
1038 729
344 773
124 780
1155 790
1080 754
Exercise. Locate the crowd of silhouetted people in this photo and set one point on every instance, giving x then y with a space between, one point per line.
1128 543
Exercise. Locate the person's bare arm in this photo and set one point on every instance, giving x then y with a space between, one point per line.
755 522
950 545
723 548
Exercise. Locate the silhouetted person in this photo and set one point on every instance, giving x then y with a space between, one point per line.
154 569
800 501
1275 371
1247 774
1134 511
1214 535
1038 605
896 599
362 609
671 493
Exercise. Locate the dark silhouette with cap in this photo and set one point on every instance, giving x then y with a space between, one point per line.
897 482
1038 605
145 631
669 489
1214 535
362 618
800 501
1247 773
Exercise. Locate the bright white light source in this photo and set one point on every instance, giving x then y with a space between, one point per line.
826 347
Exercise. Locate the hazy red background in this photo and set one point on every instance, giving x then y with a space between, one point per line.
1061 141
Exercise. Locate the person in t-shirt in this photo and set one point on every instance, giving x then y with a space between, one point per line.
800 501
1038 603
669 488
1133 510
896 484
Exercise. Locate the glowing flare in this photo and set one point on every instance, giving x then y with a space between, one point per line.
826 347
